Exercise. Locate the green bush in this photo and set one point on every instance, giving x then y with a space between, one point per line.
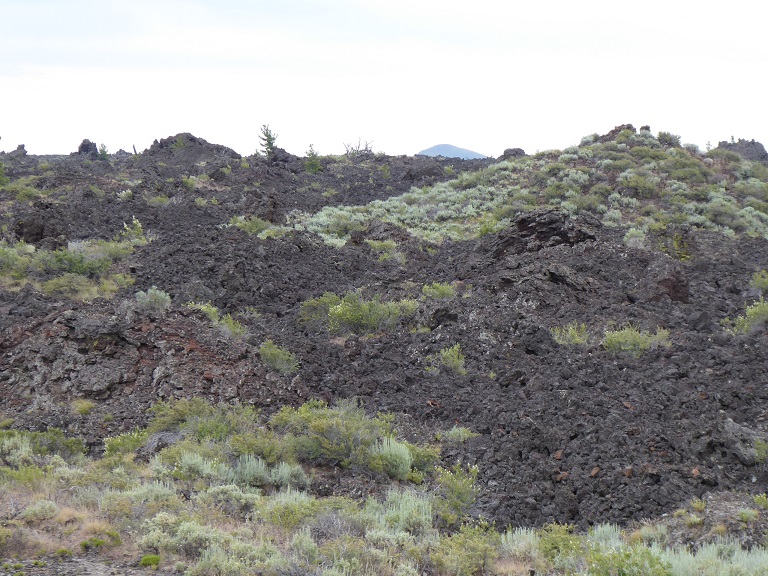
635 238
521 544
634 341
759 282
452 359
353 314
286 475
754 318
456 493
472 550
342 434
761 500
39 511
252 225
251 471
669 140
394 458
277 358
458 435
559 540
572 334
49 443
231 500
626 561
386 250
289 508
155 302
226 323
439 290
82 406
149 561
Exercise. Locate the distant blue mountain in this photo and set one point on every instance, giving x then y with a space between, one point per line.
449 151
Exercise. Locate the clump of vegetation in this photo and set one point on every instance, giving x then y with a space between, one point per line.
82 406
226 323
154 302
252 225
439 290
635 341
352 313
386 250
258 227
150 561
457 435
278 358
572 334
753 319
450 358
759 282
84 270
245 509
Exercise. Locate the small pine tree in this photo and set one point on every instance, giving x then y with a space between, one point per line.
268 140
313 164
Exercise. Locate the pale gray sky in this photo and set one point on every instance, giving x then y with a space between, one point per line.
403 74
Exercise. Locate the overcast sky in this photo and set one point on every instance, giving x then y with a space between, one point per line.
401 74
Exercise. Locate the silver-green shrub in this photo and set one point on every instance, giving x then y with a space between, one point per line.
154 302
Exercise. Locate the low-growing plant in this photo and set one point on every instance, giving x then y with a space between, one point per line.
252 225
341 434
761 500
125 443
635 238
82 406
520 543
759 282
458 435
154 302
635 341
626 561
452 359
354 314
386 250
559 540
693 520
439 290
287 475
277 358
226 323
456 493
754 318
698 504
39 511
392 457
747 515
149 561
469 551
572 334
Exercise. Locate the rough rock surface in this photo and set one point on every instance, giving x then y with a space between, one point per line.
573 434
749 149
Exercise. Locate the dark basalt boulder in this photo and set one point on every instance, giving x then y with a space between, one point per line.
748 149
87 148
